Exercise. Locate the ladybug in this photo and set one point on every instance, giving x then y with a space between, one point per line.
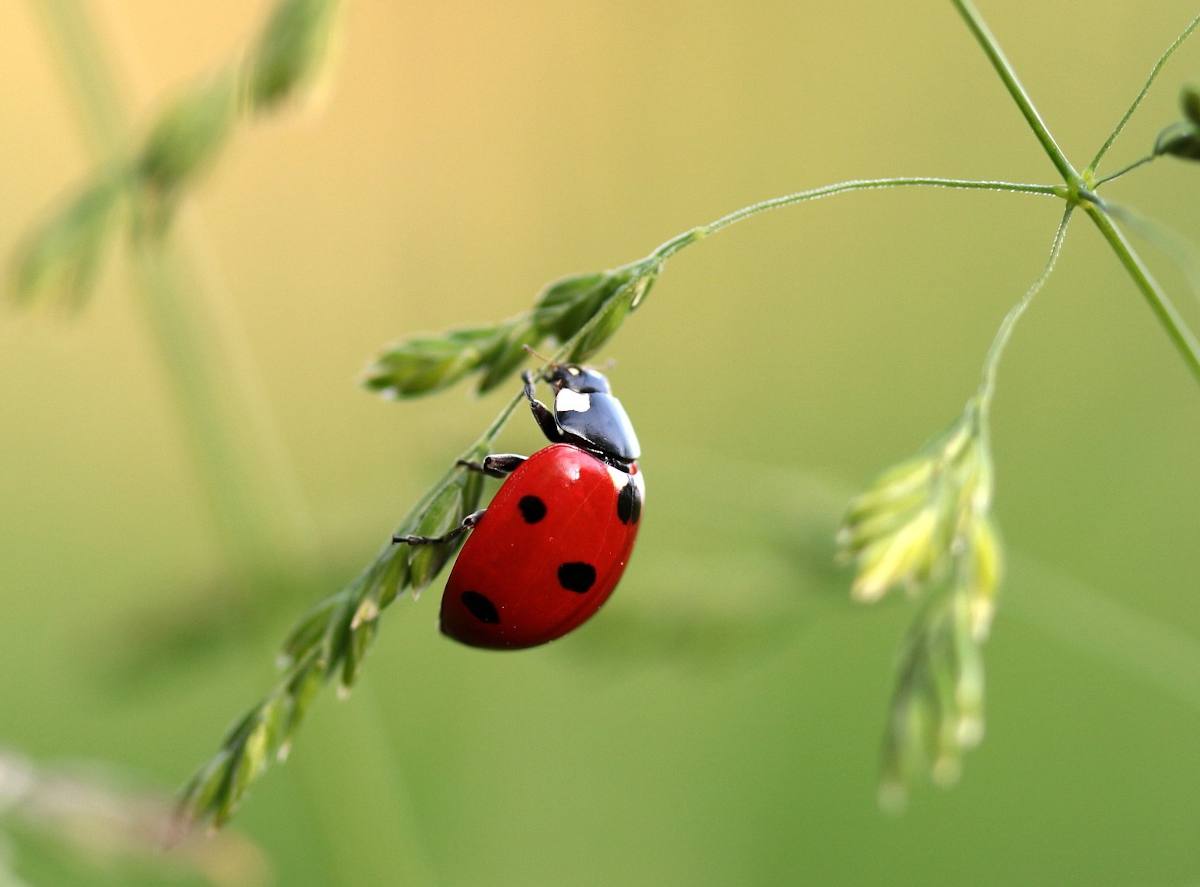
552 544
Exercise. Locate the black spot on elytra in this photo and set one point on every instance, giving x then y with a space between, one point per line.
576 576
629 503
481 608
532 508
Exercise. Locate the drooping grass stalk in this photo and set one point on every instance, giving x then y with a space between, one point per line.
926 525
678 242
1183 252
653 261
1154 72
255 511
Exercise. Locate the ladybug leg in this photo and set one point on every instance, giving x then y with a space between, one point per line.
469 522
495 465
542 414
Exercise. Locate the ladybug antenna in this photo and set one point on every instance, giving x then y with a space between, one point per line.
543 358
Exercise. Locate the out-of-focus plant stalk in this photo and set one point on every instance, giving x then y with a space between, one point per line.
253 503
103 823
195 351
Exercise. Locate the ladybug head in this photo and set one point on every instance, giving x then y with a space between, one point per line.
588 414
574 377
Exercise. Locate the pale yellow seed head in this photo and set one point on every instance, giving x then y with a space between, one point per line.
898 558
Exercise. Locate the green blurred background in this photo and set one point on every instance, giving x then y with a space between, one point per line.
719 722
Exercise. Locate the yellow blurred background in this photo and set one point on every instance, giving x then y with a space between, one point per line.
719 722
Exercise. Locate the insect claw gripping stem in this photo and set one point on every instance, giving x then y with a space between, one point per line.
469 522
541 413
527 378
496 465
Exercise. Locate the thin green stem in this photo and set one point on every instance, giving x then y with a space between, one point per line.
74 40
1154 72
184 354
1130 168
991 362
672 246
1166 312
1011 82
692 235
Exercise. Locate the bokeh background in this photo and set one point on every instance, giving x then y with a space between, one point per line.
720 721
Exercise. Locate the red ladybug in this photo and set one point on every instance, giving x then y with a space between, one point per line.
553 543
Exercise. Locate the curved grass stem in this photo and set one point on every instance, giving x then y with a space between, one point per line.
672 246
991 362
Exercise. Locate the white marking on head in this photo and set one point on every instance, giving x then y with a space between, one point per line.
572 401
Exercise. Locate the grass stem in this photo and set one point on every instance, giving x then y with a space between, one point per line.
1125 169
675 244
991 362
1012 83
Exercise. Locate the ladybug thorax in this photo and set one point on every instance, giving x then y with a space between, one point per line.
599 419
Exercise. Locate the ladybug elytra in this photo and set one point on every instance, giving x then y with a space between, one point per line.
551 546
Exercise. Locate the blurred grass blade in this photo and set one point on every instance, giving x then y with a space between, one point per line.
1180 139
291 50
1174 245
184 142
91 814
64 253
1189 100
